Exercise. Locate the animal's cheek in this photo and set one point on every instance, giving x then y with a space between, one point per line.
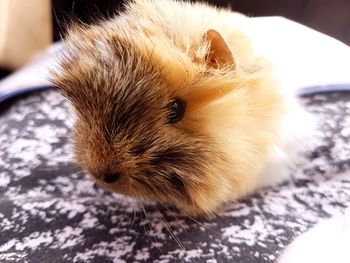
80 154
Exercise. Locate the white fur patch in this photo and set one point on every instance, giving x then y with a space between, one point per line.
296 138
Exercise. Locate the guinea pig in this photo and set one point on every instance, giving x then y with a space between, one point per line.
173 105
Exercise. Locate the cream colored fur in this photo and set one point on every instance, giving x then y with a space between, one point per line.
239 117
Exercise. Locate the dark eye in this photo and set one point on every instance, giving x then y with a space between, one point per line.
176 110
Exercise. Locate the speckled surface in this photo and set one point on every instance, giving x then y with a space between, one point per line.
50 211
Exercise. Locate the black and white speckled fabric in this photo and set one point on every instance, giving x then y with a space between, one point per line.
51 212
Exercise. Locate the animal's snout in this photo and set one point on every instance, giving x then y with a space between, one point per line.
109 177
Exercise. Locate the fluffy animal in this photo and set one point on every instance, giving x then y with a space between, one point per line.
174 105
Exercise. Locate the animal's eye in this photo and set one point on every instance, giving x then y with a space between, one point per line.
176 110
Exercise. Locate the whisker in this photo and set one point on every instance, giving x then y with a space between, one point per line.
144 183
134 219
167 208
217 217
194 220
146 217
171 231
203 225
148 223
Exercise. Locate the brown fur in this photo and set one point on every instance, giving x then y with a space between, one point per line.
121 74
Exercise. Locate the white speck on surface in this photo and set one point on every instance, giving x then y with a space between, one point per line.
34 241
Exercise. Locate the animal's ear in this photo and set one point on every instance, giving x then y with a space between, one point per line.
219 54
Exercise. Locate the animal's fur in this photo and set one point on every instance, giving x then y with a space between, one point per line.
121 74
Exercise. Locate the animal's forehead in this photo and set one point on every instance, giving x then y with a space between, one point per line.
123 105
103 59
102 72
111 76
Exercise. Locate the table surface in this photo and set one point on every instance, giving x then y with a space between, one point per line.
52 212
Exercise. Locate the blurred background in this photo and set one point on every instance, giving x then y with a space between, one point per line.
329 16
26 27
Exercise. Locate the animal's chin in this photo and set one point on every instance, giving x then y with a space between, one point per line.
116 187
123 188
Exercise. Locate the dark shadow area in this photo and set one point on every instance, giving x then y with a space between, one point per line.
4 73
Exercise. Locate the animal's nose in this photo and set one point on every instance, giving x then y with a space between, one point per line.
110 177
